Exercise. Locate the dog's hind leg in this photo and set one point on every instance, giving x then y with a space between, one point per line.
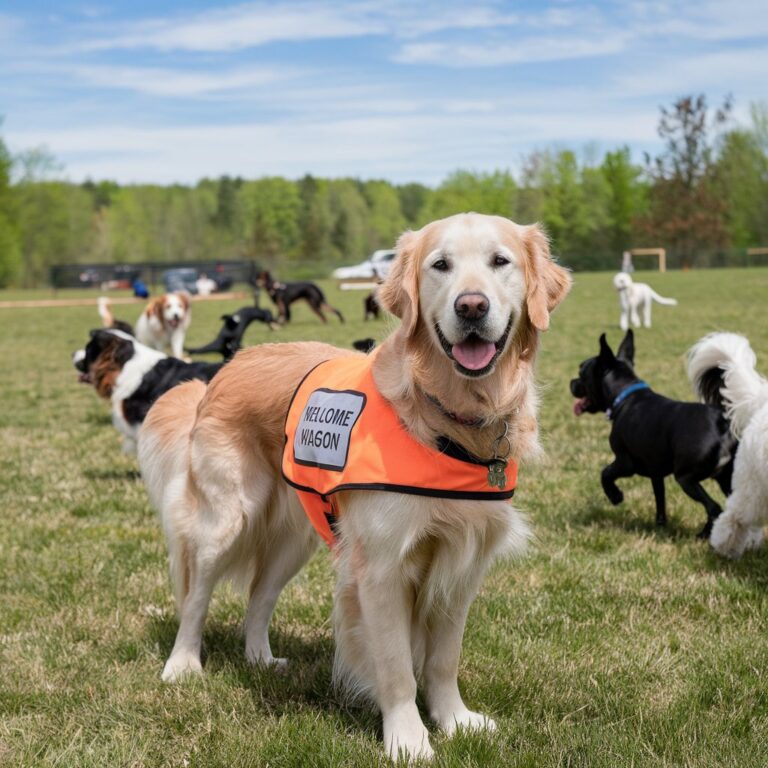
202 574
647 313
335 311
659 493
694 489
290 545
317 308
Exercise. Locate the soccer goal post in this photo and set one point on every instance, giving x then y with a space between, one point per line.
660 253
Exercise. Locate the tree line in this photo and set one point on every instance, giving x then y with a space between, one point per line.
703 196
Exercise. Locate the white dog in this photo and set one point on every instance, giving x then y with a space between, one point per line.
163 324
721 367
455 381
633 296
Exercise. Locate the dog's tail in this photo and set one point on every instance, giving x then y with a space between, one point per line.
721 367
663 300
104 306
164 460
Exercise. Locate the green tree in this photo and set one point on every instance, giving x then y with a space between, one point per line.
686 213
742 175
10 254
492 193
625 198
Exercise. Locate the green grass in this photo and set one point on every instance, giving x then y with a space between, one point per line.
611 644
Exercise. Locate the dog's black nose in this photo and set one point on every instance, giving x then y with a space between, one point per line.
471 306
577 388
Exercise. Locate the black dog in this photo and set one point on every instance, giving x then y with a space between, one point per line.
653 436
230 336
371 307
364 345
284 294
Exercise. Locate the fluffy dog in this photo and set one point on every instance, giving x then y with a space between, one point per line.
653 436
163 324
721 367
634 296
285 294
132 376
473 293
230 337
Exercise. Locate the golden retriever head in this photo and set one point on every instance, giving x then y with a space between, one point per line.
473 283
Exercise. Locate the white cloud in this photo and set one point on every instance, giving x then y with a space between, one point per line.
491 54
176 82
740 70
422 146
249 25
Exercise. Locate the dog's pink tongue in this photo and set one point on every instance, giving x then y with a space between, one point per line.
473 354
580 406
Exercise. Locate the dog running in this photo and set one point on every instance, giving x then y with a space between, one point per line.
653 436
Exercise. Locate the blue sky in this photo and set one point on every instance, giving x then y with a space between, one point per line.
174 91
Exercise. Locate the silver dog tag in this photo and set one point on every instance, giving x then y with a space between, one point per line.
497 477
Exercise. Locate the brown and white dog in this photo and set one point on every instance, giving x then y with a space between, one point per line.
473 293
163 324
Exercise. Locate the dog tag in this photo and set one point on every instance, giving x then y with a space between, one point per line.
497 477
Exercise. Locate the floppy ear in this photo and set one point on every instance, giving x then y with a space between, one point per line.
548 283
185 299
606 353
399 294
626 349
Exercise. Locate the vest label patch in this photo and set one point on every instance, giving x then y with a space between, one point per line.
324 428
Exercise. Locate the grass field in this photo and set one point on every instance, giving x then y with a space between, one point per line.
611 644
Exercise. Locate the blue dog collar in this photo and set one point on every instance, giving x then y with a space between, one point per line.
624 394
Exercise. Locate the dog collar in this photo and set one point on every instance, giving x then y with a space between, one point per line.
624 394
477 421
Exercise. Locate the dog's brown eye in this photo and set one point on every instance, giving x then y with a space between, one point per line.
499 261
441 265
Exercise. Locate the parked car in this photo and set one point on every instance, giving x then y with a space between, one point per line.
181 279
375 267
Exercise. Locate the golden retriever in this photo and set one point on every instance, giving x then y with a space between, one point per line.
472 292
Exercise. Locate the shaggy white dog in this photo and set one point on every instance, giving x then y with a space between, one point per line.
721 367
633 296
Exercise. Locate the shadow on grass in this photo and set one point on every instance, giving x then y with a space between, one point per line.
279 691
621 517
751 567
112 474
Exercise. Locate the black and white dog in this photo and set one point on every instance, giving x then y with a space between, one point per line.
284 294
132 376
230 336
653 436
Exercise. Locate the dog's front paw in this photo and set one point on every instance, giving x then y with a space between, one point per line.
181 665
471 721
615 495
405 737
266 660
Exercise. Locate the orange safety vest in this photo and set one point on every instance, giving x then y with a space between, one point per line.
341 434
